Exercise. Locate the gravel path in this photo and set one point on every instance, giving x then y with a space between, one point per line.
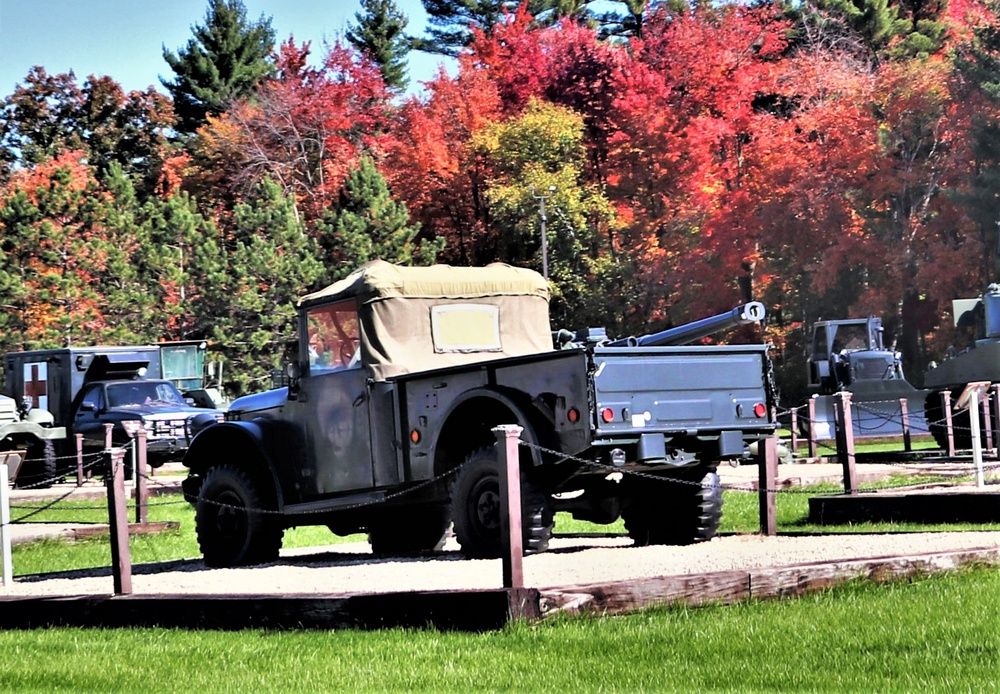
351 569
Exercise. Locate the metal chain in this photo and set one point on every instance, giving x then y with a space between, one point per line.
661 478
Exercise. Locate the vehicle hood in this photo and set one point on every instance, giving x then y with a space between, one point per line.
268 400
160 411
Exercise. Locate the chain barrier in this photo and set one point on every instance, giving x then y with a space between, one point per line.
725 487
92 461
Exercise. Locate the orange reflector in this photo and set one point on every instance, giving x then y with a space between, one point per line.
415 436
607 414
759 409
573 415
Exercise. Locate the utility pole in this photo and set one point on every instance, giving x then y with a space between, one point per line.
541 216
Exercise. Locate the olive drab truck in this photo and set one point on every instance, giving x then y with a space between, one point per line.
385 425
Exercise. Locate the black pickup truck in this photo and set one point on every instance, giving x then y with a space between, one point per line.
385 425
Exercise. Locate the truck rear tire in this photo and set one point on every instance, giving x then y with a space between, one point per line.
231 528
410 531
476 509
675 512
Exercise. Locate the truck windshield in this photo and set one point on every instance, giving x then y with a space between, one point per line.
333 336
143 393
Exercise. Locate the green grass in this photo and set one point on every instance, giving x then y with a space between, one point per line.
60 555
936 634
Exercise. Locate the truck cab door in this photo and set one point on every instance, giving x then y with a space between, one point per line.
86 417
332 402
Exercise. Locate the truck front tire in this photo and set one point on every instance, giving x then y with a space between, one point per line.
232 526
476 509
675 511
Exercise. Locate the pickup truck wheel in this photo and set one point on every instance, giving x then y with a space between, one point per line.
476 509
410 531
675 512
231 530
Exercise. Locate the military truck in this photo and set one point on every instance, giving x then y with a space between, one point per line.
385 425
850 355
978 320
84 388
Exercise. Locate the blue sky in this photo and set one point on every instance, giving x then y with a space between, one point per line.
124 39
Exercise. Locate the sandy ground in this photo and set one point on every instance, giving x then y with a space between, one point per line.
351 569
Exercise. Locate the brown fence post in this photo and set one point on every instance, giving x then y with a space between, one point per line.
905 413
7 575
79 459
767 465
512 542
795 432
845 441
987 418
813 441
141 487
994 394
949 427
121 556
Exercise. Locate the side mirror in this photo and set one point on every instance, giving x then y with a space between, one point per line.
293 371
88 407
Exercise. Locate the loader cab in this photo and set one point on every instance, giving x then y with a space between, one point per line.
846 351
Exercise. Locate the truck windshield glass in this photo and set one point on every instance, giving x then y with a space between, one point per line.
142 393
850 338
333 336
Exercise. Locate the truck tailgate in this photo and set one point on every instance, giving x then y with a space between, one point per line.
675 389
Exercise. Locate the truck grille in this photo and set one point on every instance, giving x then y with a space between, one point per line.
167 429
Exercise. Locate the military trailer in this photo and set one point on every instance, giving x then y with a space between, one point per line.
402 373
85 388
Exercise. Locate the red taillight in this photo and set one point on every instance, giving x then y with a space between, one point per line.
607 414
759 409
573 415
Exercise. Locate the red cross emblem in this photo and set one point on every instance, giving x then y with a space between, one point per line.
36 385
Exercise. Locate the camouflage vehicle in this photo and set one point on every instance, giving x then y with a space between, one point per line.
402 373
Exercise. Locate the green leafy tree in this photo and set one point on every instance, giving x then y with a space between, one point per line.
48 115
538 158
367 224
380 36
225 60
978 61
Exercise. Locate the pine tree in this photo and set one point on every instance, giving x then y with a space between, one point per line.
379 35
367 224
226 58
249 309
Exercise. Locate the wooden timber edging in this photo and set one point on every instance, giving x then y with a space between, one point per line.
726 587
473 610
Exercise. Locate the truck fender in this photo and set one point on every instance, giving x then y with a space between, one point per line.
452 440
239 443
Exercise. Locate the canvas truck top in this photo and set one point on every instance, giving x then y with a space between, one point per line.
411 319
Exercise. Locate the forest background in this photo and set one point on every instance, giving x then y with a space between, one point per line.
830 158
